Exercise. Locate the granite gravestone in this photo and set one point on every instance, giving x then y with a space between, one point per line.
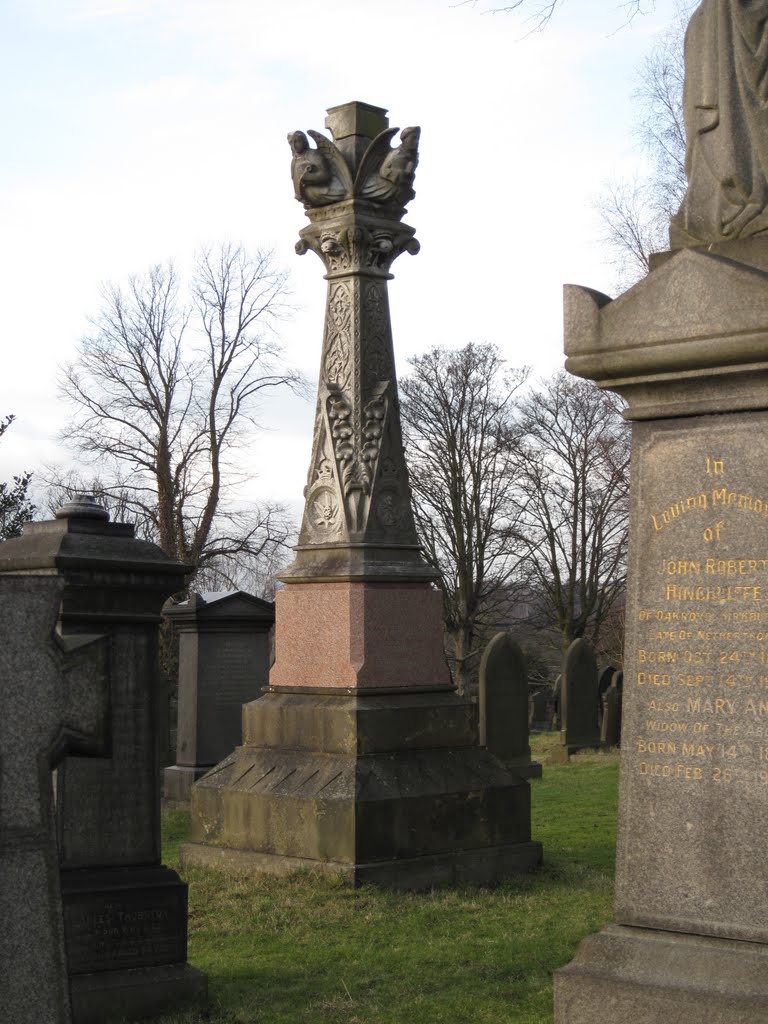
504 705
604 680
53 700
360 759
687 348
610 725
224 648
578 698
125 914
540 710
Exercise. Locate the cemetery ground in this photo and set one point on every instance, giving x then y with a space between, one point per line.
307 950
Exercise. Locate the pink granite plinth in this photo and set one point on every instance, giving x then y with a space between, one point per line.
359 636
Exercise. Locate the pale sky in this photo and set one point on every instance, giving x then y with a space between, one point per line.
136 130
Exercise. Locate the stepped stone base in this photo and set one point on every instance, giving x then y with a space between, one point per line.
135 994
387 788
646 976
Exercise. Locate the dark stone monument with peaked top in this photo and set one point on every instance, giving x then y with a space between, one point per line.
124 913
223 663
688 349
360 759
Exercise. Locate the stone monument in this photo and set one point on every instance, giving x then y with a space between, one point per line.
360 759
223 663
504 705
610 725
53 701
125 914
688 349
579 699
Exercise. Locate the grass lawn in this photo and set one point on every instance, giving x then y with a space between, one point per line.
306 950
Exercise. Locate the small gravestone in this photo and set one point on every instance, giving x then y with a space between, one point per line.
224 646
53 701
604 680
610 727
539 718
504 705
578 698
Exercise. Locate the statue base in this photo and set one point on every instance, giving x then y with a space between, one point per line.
384 788
647 976
356 635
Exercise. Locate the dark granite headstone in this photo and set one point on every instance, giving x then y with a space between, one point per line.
223 664
53 699
539 705
610 726
504 705
124 913
578 698
604 680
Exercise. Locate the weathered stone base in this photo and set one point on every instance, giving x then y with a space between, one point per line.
141 992
178 780
126 942
645 976
525 768
463 867
390 789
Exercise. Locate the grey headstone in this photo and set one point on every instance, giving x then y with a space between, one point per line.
504 704
125 920
610 726
540 717
578 697
224 647
53 699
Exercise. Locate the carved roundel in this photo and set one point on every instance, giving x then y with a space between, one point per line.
389 508
323 512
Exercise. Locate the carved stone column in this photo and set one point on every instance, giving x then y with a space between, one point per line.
360 759
357 534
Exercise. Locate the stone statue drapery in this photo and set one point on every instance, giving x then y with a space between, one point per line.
726 121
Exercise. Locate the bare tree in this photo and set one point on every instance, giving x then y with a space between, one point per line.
165 391
541 11
575 473
16 506
636 212
460 436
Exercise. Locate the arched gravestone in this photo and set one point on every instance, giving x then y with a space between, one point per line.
610 727
53 702
504 705
578 698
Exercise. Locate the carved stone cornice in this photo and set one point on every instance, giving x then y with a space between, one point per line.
358 520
